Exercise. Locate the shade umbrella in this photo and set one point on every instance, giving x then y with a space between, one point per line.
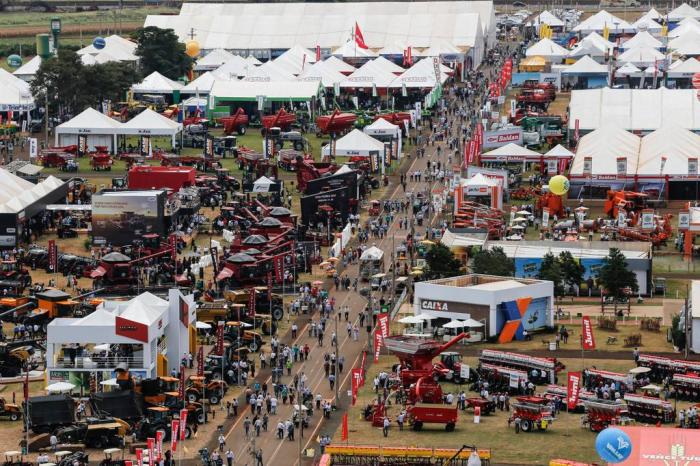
109 383
520 219
333 259
524 212
581 208
202 325
473 323
454 324
518 227
60 387
425 316
639 370
317 283
411 320
102 347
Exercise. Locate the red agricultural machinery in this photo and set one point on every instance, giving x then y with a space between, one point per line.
335 123
255 162
602 413
308 170
649 409
686 386
421 413
630 202
553 202
547 89
559 391
12 271
475 215
101 161
117 272
52 158
238 122
395 118
547 367
531 413
282 120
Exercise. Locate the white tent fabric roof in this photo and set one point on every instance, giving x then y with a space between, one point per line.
387 65
249 90
559 151
479 180
686 69
687 44
116 46
651 14
252 60
154 122
296 59
339 65
234 68
88 59
599 41
30 68
641 56
642 39
156 83
441 48
421 75
630 108
203 83
688 24
628 69
604 146
584 48
598 22
350 50
672 143
372 253
17 193
396 48
546 17
90 119
648 25
15 93
512 150
368 75
683 11
546 48
586 65
355 143
269 71
213 60
380 124
323 72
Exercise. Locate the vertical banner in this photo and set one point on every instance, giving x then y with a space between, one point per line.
220 337
200 361
279 268
181 385
139 456
647 219
374 161
210 146
33 148
356 383
576 130
383 324
151 444
174 428
573 388
172 243
683 220
251 302
183 424
344 430
53 256
588 340
514 381
318 53
377 344
513 109
159 445
145 146
545 217
269 286
362 368
82 145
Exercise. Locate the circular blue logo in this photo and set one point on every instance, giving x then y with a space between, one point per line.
99 43
613 445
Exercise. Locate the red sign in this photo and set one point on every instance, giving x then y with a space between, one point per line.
181 385
573 388
251 302
356 383
183 424
174 427
128 463
377 344
383 324
318 53
652 446
151 443
588 340
269 286
139 456
200 361
220 338
53 256
159 444
344 430
172 242
130 329
184 312
279 268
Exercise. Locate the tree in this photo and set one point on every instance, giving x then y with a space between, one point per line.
441 262
572 269
614 275
551 270
493 262
159 50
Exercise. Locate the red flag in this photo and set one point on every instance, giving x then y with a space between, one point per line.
220 338
279 268
359 39
174 428
318 53
383 324
362 369
573 388
200 361
269 286
588 340
344 431
181 385
377 344
183 424
159 444
356 383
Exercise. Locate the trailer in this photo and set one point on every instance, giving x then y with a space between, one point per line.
425 413
686 386
650 409
602 413
547 367
342 454
499 377
560 391
531 413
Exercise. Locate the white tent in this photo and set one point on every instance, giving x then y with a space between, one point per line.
479 180
686 69
604 147
350 50
683 11
280 91
559 151
685 26
372 253
387 65
323 72
642 39
648 25
666 151
27 71
628 69
586 65
546 17
153 124
421 75
590 49
262 185
15 94
156 83
252 60
651 14
547 48
117 47
381 127
234 68
269 71
395 49
356 143
100 129
203 83
369 75
295 60
339 65
511 152
687 45
17 193
641 56
213 60
438 50
599 21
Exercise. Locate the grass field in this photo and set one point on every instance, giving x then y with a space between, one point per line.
100 18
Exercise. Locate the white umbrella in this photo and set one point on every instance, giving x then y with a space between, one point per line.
202 325
60 387
411 320
524 212
518 227
473 323
424 316
581 208
520 219
109 383
454 324
102 347
246 325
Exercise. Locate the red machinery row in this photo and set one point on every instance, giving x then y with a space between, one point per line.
547 367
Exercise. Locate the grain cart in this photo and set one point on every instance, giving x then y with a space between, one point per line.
601 414
531 413
650 409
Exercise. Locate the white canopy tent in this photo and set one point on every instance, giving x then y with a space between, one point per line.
683 11
350 50
548 49
395 49
381 127
685 69
15 94
252 60
116 47
642 39
355 143
559 151
296 59
235 68
272 91
648 25
339 65
641 56
387 65
478 181
269 71
322 72
687 25
686 45
586 66
100 130
666 152
546 17
628 69
156 83
599 21
590 49
213 60
511 153
438 50
369 75
603 148
204 82
152 123
421 75
263 184
372 253
17 193
27 71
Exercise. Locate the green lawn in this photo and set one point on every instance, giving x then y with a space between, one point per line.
24 18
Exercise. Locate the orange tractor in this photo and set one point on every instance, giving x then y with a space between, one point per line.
629 202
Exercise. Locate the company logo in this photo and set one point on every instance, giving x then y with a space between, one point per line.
587 333
431 305
675 457
573 398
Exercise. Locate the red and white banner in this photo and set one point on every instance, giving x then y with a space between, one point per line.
151 444
220 337
377 344
573 388
251 302
362 368
356 383
279 268
139 456
200 361
53 256
172 242
269 286
183 424
344 429
159 445
383 324
174 430
588 340
318 53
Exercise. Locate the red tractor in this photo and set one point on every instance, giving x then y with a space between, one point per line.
601 413
630 202
101 161
238 122
548 89
308 170
12 271
531 413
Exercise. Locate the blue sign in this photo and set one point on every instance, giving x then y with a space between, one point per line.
613 445
527 267
99 43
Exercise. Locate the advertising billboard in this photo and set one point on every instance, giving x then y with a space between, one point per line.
346 180
338 199
501 137
119 217
527 267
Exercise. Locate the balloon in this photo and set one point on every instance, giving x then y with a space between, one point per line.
99 43
559 185
613 445
192 48
14 61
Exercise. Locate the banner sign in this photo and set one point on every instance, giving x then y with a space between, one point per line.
683 220
220 338
181 385
545 217
356 383
377 344
200 361
269 286
174 428
151 444
33 147
513 382
159 445
53 256
139 456
573 388
383 324
587 334
501 137
362 368
648 219
279 268
183 424
251 302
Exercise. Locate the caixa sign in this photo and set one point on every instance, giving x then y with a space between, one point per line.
433 305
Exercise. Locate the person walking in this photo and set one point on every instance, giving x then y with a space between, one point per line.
222 442
385 428
229 457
